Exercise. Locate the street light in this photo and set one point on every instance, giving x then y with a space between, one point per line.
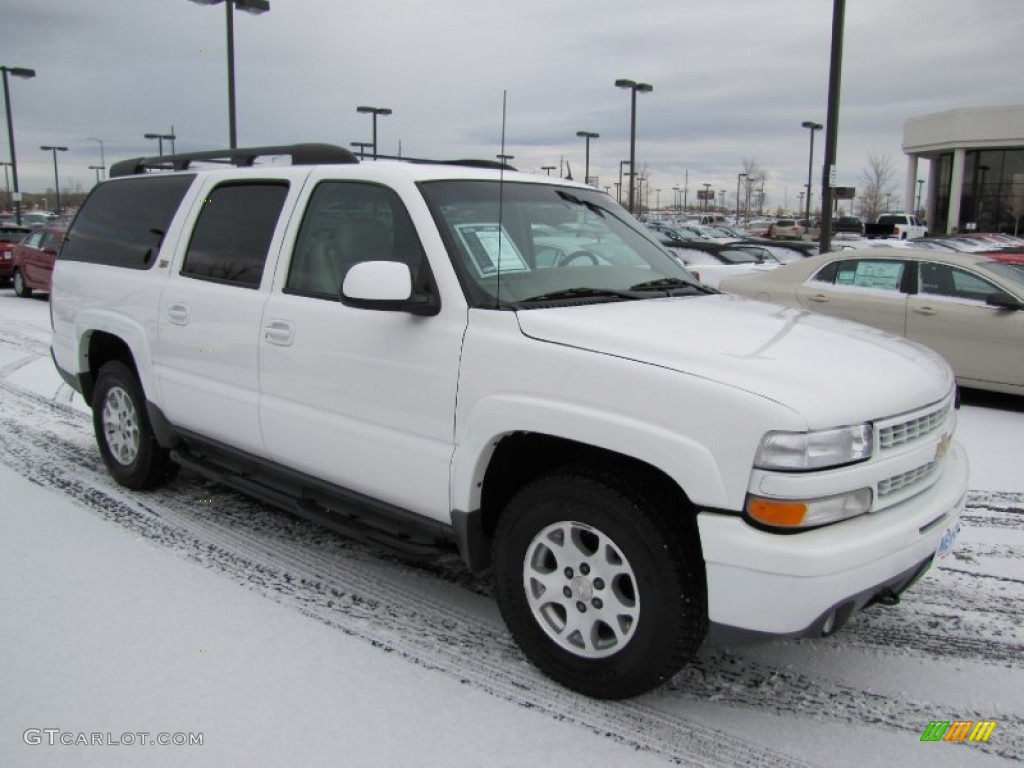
588 136
622 163
56 178
103 159
707 188
97 168
26 74
362 145
633 86
255 7
7 181
920 183
812 126
160 138
548 168
738 177
374 111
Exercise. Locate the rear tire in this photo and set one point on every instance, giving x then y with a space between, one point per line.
600 583
20 289
123 432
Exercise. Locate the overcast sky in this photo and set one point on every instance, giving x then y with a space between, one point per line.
732 79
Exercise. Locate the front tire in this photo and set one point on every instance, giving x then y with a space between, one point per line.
600 583
21 290
123 432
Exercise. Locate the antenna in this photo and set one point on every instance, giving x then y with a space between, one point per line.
501 193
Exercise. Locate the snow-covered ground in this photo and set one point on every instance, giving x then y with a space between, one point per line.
196 611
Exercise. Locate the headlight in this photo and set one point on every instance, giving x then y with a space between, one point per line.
797 451
808 513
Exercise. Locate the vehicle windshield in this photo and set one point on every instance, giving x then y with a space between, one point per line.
519 244
1012 271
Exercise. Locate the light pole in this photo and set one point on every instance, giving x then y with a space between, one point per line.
362 145
56 178
26 74
707 188
548 168
657 199
7 181
160 138
721 197
812 127
738 177
586 168
103 159
622 163
633 86
97 168
255 7
920 184
374 111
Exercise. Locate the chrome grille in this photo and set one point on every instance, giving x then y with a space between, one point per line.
905 479
895 435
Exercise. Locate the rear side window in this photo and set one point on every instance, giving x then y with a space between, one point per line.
122 223
233 233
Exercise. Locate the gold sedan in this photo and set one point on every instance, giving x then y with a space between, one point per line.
967 307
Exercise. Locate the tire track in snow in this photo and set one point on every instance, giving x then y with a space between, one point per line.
366 594
340 592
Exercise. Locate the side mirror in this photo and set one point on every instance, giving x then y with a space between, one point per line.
1003 300
386 286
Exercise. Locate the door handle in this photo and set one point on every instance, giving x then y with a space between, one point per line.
925 311
178 314
821 298
280 332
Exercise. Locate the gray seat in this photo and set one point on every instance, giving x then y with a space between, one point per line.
351 241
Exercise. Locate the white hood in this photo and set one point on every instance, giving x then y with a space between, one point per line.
830 371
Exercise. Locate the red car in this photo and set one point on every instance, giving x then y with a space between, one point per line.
10 234
33 260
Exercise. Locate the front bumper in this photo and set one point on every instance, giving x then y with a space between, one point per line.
775 584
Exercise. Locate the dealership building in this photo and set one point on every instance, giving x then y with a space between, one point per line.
975 169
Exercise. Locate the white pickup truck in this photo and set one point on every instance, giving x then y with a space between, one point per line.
437 357
902 226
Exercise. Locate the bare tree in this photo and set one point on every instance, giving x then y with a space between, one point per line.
753 182
878 186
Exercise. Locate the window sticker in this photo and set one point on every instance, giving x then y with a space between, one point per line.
486 244
878 274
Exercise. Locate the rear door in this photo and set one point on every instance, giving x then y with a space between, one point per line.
867 290
210 309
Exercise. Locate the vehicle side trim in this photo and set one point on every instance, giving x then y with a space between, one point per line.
351 513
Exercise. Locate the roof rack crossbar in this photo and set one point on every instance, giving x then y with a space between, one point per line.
469 162
301 154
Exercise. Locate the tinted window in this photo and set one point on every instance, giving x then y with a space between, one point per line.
944 280
122 223
232 235
348 222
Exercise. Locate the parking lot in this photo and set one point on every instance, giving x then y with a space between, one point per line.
200 610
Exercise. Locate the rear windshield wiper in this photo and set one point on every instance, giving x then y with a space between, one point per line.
668 284
582 293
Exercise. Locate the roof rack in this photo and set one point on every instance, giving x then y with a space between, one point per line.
301 154
469 163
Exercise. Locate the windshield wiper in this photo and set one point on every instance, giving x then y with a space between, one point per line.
668 283
582 293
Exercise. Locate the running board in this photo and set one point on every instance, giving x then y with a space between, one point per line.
342 518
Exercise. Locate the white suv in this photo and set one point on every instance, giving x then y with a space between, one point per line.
436 356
